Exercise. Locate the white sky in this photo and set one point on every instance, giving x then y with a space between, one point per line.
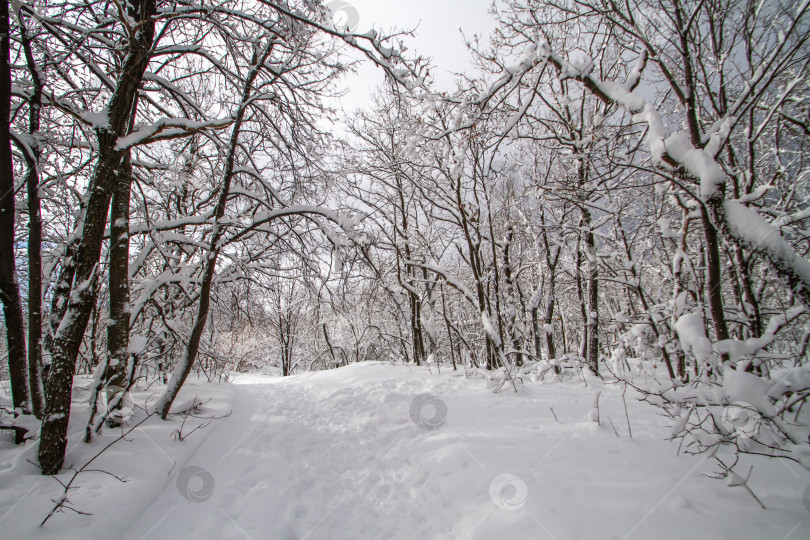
437 24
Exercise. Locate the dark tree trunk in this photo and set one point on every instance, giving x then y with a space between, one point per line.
474 248
32 155
61 294
511 290
752 309
581 293
118 326
287 323
416 328
329 344
538 341
9 287
449 330
414 300
714 284
548 316
68 338
548 321
186 362
592 346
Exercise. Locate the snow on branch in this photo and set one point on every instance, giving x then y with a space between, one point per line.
369 44
742 225
169 128
751 346
263 218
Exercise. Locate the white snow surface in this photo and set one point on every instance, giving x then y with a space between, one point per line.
337 455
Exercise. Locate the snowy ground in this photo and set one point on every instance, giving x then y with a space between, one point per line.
356 453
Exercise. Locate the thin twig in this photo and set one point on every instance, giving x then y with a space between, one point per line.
61 503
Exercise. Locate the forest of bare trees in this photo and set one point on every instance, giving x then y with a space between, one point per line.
619 188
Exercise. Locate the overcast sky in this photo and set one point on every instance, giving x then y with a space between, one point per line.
437 24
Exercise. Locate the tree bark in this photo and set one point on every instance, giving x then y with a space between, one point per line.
183 367
9 286
581 300
592 346
551 269
118 326
32 156
714 283
511 292
417 337
69 335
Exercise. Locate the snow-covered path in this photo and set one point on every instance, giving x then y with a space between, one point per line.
338 455
300 459
356 453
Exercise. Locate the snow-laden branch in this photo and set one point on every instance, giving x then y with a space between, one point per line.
751 346
169 128
740 224
369 44
268 216
456 284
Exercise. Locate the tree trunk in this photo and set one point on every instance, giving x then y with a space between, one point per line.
449 330
512 300
548 321
68 337
548 316
32 156
118 326
61 295
329 344
714 284
9 287
593 296
581 300
416 328
183 367
748 297
538 341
